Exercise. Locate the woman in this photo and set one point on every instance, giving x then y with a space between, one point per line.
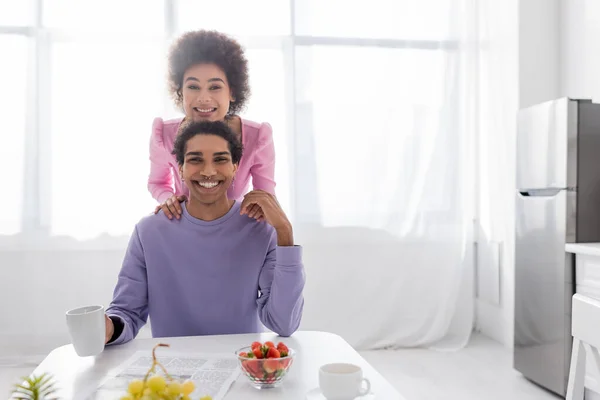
208 80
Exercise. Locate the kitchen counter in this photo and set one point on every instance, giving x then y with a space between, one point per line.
589 249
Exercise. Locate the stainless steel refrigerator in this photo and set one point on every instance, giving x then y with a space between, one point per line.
557 202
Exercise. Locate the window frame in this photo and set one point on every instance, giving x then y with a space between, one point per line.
37 177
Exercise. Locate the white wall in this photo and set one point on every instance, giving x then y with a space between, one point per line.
575 72
540 32
580 45
540 75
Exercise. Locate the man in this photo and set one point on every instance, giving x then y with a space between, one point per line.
223 268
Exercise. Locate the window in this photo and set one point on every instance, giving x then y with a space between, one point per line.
13 97
394 97
131 17
16 13
268 104
85 80
103 103
381 19
251 18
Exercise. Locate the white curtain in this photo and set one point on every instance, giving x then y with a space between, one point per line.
387 209
376 114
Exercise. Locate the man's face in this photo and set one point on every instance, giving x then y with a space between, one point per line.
207 168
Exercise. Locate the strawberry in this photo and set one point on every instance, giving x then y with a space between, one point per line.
270 344
253 368
258 373
255 344
283 349
270 366
285 363
243 354
258 352
246 365
273 353
265 350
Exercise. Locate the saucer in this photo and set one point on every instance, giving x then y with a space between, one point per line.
316 394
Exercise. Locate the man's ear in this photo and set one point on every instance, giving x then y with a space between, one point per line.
181 171
235 167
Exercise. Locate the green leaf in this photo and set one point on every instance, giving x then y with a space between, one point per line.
35 388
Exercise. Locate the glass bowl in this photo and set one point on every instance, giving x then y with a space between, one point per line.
265 373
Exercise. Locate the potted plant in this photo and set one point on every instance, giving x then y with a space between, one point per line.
33 387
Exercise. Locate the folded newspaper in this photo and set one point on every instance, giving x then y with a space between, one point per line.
212 374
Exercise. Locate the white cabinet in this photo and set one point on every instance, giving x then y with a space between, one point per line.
587 282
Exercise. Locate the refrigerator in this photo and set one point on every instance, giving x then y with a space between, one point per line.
557 202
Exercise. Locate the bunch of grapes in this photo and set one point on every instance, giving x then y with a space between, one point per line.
157 387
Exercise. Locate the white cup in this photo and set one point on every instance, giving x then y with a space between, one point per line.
341 381
87 329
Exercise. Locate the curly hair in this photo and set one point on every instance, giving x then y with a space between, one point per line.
209 47
217 128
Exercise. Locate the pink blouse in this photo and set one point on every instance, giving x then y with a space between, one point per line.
258 161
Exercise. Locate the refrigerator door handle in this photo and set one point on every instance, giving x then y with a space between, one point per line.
549 192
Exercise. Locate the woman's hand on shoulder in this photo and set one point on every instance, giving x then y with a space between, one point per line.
172 206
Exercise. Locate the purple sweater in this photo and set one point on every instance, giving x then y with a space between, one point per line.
194 277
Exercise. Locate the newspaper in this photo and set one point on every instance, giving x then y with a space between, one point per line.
212 374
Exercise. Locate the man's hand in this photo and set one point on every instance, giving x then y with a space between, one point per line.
259 202
110 329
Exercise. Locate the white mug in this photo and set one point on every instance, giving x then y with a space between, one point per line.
87 329
341 381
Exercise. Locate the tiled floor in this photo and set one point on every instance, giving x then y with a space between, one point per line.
481 371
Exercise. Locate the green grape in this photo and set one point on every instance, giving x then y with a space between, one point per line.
157 387
136 386
149 394
174 388
156 383
188 387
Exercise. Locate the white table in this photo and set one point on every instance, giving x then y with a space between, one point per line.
74 373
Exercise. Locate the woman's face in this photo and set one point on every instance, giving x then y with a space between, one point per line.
207 168
206 93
